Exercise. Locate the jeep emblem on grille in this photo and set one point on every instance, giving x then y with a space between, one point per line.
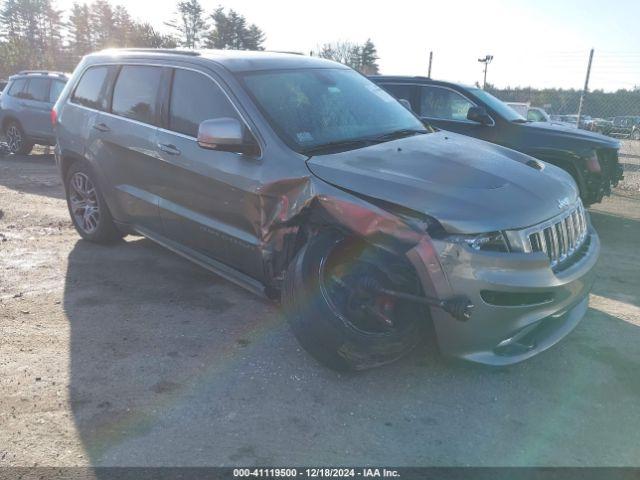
563 203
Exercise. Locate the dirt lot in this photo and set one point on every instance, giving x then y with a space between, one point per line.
129 355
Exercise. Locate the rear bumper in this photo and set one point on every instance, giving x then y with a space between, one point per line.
521 306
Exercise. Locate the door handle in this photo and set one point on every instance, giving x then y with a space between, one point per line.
169 148
101 127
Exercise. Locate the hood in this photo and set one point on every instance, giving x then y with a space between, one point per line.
468 185
572 134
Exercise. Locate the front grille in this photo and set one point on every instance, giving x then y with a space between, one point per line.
561 237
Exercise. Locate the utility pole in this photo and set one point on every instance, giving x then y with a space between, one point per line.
585 89
430 61
486 60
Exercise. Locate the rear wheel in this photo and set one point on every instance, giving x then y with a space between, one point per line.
334 300
87 207
635 134
16 139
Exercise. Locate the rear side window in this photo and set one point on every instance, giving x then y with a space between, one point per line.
195 98
37 89
135 93
399 91
56 89
17 87
89 89
442 103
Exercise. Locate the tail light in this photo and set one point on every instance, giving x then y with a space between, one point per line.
54 117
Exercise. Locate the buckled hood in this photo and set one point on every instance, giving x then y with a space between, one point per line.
468 185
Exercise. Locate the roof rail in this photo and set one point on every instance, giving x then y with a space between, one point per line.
41 72
177 51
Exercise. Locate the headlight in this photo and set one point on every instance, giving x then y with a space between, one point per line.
487 242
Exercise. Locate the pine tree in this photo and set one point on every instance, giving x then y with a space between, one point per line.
144 35
232 32
102 24
79 27
190 23
368 58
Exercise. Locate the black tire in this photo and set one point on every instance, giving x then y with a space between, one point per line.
326 334
635 134
89 212
16 139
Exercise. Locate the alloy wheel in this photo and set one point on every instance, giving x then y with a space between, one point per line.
351 284
83 200
14 138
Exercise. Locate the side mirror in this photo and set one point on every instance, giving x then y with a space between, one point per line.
405 103
225 134
480 115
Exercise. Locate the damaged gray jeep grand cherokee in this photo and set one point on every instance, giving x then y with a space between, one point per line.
299 179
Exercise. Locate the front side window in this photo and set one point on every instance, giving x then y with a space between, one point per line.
195 98
497 105
135 93
312 108
16 88
443 104
535 116
56 89
37 89
89 89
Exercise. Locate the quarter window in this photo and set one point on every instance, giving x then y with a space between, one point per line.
89 89
195 98
135 93
37 89
442 103
56 89
16 88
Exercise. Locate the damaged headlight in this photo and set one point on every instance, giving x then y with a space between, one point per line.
486 242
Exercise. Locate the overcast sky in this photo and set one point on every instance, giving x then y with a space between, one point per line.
541 43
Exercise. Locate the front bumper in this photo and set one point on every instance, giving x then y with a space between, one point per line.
521 308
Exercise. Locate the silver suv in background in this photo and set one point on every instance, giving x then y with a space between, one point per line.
301 180
25 108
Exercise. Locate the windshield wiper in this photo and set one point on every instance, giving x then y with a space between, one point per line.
520 120
355 143
340 144
403 132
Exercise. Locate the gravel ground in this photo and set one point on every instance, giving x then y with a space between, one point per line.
130 355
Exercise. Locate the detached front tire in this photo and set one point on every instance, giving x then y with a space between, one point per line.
333 302
88 210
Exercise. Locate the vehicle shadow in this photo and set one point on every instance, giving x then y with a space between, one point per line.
171 365
34 174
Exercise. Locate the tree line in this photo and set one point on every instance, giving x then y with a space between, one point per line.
34 34
597 103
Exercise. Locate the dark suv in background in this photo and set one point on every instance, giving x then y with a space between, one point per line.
625 127
590 158
25 109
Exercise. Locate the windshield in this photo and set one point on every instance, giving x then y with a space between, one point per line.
312 108
498 106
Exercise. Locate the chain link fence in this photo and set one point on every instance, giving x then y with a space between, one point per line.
610 106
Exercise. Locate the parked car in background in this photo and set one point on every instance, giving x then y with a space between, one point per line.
626 127
591 159
298 178
25 109
602 125
533 114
